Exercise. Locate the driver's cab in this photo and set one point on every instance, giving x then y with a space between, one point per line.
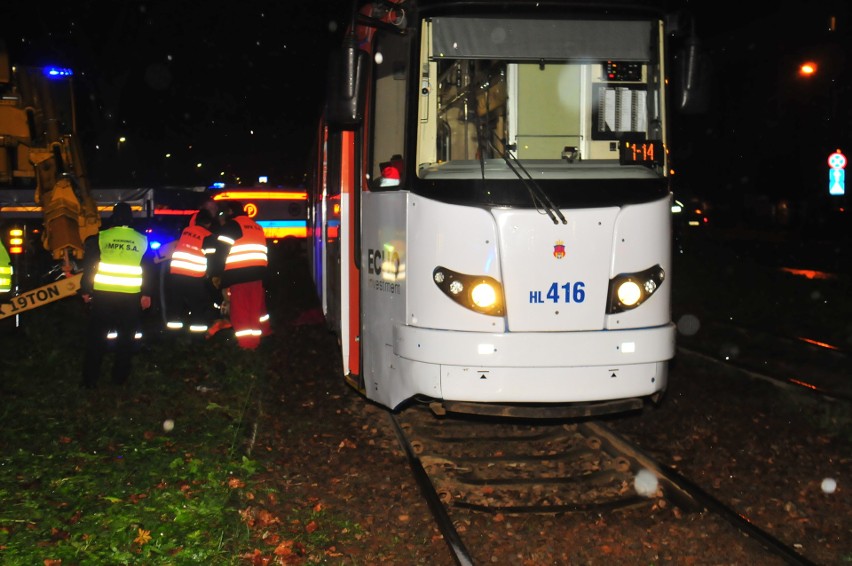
565 97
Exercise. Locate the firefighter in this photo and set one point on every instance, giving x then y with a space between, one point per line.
240 265
116 284
188 297
5 270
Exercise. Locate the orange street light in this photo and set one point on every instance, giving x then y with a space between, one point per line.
807 69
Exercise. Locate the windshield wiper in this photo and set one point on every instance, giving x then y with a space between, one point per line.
537 194
480 143
484 135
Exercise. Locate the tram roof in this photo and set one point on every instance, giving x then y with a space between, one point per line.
637 7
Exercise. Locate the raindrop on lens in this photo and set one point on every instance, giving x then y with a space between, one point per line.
645 483
688 325
729 351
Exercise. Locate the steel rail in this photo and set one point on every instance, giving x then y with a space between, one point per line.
673 480
789 383
439 512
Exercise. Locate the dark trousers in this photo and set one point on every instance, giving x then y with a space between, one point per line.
120 313
188 300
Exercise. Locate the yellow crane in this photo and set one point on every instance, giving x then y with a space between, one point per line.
39 150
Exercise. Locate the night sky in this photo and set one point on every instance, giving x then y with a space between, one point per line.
235 86
769 130
238 86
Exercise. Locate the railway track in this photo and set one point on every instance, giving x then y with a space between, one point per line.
795 362
786 519
502 466
558 469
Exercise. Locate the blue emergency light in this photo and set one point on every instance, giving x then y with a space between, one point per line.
153 243
57 72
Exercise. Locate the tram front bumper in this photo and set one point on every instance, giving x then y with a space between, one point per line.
538 367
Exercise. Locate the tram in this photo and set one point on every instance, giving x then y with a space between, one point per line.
489 213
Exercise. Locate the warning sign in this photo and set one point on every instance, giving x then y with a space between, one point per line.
41 296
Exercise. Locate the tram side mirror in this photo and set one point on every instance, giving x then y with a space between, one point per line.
693 77
346 86
692 69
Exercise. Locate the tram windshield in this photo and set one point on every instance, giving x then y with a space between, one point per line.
560 99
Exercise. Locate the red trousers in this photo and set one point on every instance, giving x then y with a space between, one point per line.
248 313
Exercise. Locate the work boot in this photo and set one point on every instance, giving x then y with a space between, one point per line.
220 324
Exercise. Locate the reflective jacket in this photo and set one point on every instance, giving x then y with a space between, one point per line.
241 252
190 255
5 270
249 250
120 267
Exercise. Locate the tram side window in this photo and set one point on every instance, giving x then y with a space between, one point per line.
390 72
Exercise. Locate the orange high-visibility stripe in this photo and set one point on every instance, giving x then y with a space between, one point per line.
348 186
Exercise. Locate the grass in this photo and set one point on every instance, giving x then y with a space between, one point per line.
101 477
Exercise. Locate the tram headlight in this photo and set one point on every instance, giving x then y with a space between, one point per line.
629 290
478 293
629 293
483 295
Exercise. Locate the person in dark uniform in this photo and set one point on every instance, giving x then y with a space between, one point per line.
116 284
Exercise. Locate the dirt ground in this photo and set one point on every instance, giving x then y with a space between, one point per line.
762 451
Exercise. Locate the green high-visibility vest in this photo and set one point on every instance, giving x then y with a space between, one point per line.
5 270
120 269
